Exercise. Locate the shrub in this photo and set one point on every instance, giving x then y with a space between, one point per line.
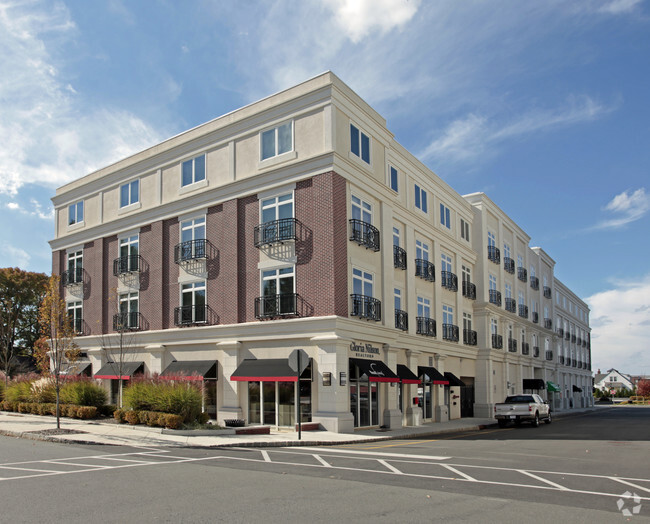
108 410
132 417
173 421
203 418
2 388
86 412
19 391
83 393
178 398
140 395
118 415
43 390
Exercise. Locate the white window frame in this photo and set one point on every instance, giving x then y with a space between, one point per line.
445 263
492 239
508 291
129 192
445 216
360 154
76 307
494 326
464 230
447 314
362 208
275 130
467 321
424 307
195 180
397 296
275 203
365 278
492 282
193 224
279 273
506 250
421 250
76 213
396 236
192 288
420 199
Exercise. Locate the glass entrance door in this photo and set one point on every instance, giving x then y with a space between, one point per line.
268 392
425 394
364 399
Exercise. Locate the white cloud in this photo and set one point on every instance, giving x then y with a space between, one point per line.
49 136
619 327
617 7
628 207
358 18
18 257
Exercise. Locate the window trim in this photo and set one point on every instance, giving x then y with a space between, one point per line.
277 157
359 157
131 204
77 223
446 219
195 184
392 168
420 199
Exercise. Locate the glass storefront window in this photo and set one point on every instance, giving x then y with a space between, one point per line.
254 403
364 399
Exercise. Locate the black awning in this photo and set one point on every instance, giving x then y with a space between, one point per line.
190 370
431 375
534 383
454 381
576 389
112 369
406 375
76 369
267 370
375 370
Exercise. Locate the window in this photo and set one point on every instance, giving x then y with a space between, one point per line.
506 250
445 263
421 250
396 236
193 229
277 208
130 193
193 171
447 314
398 298
492 241
520 261
74 274
464 230
508 291
493 283
361 210
445 219
193 304
521 297
467 274
129 309
75 315
128 260
362 282
421 199
359 144
393 179
467 321
278 281
494 326
424 307
76 213
532 271
277 141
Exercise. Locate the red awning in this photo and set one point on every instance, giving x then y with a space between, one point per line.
375 370
190 370
406 375
432 374
112 370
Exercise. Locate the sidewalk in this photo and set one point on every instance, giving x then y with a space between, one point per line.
108 433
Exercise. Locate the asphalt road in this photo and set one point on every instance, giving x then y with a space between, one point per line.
573 470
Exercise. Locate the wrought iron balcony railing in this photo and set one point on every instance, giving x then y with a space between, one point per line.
497 341
535 317
548 323
512 345
275 232
190 315
573 337
190 250
72 276
449 280
567 335
547 292
399 257
509 265
366 307
511 305
522 274
525 348
549 355
127 264
561 359
523 311
470 337
364 234
450 332
469 290
277 306
495 297
494 254
536 351
425 269
77 325
425 326
127 321
401 320
560 331
534 283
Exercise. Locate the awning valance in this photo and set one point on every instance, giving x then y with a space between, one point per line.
267 370
112 370
431 375
533 383
552 387
190 370
406 375
454 381
375 370
576 389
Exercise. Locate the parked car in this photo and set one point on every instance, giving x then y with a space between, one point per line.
520 408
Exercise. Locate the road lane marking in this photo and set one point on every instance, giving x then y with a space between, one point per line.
322 461
374 454
28 469
265 454
457 472
391 467
629 483
524 472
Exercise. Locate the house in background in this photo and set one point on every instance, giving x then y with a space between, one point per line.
612 381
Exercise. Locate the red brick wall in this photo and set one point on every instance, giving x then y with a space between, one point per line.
111 307
94 302
152 276
321 271
170 271
221 232
248 258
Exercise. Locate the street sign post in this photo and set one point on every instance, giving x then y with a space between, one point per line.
298 362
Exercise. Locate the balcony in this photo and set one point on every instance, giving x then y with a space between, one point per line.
574 363
425 326
567 335
127 264
277 306
535 317
425 269
584 343
536 351
190 250
573 338
560 332
511 305
567 361
497 341
450 332
547 292
364 234
534 283
495 297
469 290
509 265
190 315
522 274
72 276
399 257
494 254
275 232
77 325
549 355
401 320
579 342
512 345
548 323
525 348
523 311
470 337
449 280
366 307
127 321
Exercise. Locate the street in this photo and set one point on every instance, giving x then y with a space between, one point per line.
575 469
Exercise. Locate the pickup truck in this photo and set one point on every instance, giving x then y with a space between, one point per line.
519 408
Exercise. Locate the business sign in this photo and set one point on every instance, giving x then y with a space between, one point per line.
364 350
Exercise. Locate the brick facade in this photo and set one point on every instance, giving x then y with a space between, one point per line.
248 285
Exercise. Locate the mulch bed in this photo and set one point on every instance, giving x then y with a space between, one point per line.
55 431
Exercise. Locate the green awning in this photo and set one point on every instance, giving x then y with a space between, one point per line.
553 387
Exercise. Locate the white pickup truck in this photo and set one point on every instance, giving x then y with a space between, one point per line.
519 408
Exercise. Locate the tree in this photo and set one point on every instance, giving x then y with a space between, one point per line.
58 329
21 293
643 387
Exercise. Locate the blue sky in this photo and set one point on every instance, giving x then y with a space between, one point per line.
542 105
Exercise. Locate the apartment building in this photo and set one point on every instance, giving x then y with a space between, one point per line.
298 222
